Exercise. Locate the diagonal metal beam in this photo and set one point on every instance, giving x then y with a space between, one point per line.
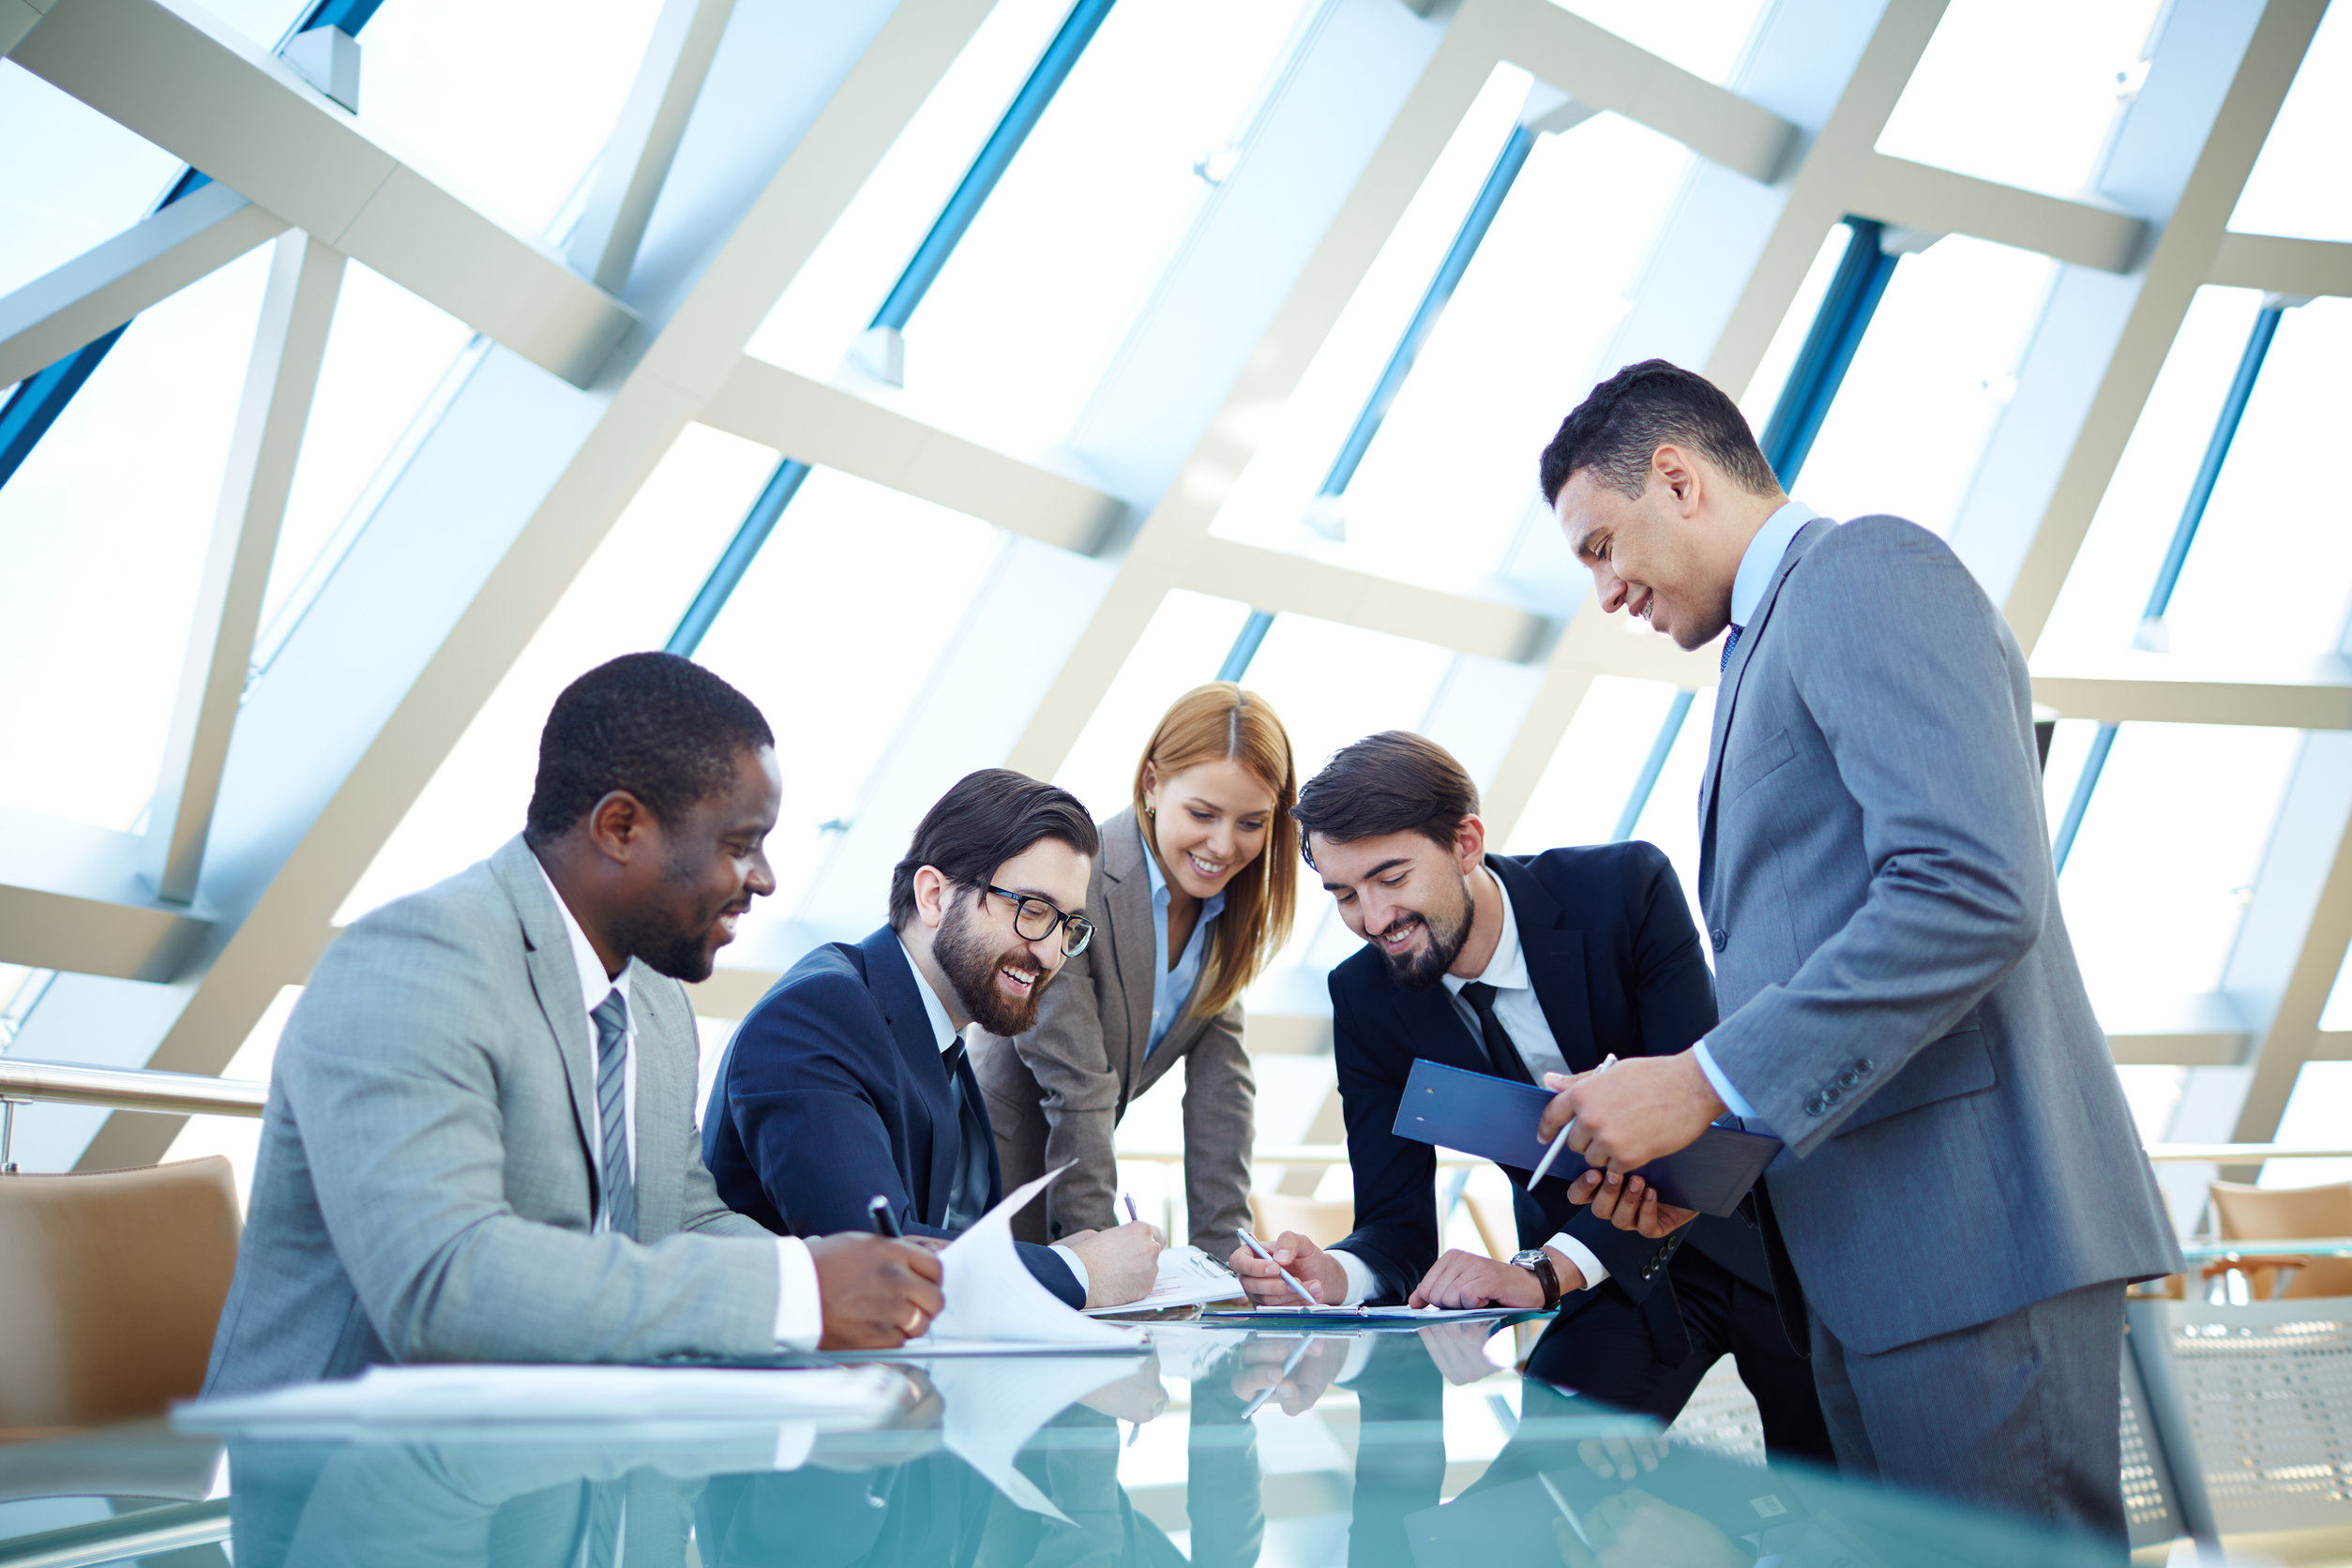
2288 266
1916 195
653 121
108 284
2173 688
167 75
71 899
297 310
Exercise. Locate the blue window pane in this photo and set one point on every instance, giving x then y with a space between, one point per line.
1586 785
1177 650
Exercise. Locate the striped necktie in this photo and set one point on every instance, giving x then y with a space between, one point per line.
620 1182
1728 644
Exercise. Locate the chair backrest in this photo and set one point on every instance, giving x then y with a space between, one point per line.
1320 1221
112 1289
2250 1214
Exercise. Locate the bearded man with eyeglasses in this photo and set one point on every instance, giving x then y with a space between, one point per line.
848 1079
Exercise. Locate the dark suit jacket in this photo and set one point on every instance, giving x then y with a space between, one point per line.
1616 965
833 1091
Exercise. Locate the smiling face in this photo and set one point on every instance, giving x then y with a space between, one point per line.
1208 822
680 896
1666 555
997 974
1406 896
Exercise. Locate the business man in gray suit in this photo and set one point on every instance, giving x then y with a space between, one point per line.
480 1144
1963 1197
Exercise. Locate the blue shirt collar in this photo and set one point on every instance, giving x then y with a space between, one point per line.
1756 566
1210 909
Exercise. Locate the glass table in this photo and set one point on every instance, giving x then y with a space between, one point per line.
1414 1448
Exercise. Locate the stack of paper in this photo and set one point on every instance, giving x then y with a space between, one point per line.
1188 1277
994 1303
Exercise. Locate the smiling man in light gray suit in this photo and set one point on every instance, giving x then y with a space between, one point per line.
1963 1197
480 1144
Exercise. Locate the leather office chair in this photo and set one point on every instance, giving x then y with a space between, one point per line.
2250 1214
112 1289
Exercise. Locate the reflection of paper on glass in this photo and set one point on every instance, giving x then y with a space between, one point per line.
1188 1277
991 1295
995 1407
1361 1317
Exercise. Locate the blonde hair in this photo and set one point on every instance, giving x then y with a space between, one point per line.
1215 723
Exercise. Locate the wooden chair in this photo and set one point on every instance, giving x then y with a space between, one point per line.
2250 1214
112 1289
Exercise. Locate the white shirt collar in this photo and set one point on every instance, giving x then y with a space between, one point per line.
942 1025
1506 967
1763 558
593 984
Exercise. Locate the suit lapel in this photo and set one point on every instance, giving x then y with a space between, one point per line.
1134 943
555 981
660 1107
892 979
1555 963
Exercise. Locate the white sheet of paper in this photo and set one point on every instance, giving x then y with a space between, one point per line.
1187 1277
995 1406
495 1395
992 1296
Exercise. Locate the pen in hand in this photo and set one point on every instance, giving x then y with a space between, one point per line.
1559 1139
1128 1199
885 1218
1288 1277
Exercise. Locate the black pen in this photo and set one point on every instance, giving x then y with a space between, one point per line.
885 1217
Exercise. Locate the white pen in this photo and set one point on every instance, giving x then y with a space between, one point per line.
1559 1139
1289 1279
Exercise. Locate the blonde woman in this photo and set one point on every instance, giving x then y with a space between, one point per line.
1191 898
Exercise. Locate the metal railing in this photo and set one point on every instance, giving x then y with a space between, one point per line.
67 1083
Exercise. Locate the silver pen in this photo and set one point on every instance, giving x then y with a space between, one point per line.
1559 1139
1288 1277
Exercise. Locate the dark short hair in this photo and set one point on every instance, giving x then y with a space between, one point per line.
1392 782
1622 422
660 727
986 819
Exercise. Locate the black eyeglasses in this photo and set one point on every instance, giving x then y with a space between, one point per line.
1034 920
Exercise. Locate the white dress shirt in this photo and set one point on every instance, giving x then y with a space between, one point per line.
799 1308
1522 1017
1757 567
943 1030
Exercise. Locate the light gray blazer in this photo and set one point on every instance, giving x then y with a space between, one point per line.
1900 999
425 1189
1056 1093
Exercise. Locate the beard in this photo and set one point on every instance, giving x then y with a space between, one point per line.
969 956
1417 969
664 942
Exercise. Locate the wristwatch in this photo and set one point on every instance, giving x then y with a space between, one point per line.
1538 1263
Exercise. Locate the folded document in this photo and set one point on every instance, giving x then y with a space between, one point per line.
1188 1277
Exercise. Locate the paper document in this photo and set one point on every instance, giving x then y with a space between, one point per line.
495 1395
995 1407
1188 1277
1347 1317
992 1296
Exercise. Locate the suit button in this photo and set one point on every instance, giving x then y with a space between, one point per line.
1847 1079
1719 936
1816 1106
1865 1066
1830 1096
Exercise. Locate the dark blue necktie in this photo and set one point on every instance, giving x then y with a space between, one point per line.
1728 644
620 1182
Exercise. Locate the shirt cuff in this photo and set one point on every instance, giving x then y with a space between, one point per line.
1361 1282
1086 1285
1732 1099
1593 1269
800 1314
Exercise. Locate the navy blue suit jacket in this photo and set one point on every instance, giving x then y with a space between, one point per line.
832 1090
1614 961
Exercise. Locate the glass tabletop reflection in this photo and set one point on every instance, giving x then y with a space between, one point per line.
1220 1447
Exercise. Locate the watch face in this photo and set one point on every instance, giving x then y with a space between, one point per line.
1527 1260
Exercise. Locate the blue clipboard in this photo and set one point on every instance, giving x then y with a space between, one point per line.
1495 1119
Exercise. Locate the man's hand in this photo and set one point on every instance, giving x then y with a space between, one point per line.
876 1292
1138 1396
1314 1268
1121 1264
1263 1357
1460 1350
1632 1112
1466 1279
1629 1203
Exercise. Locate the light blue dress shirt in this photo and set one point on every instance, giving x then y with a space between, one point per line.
1757 567
1171 986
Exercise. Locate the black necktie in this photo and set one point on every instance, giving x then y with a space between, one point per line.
1500 1052
968 1193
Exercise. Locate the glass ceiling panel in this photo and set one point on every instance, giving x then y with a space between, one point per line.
104 553
1586 785
2317 1112
91 180
2022 91
2107 587
2164 863
1670 819
628 598
1706 38
510 103
1789 339
1026 316
1932 374
1181 647
2297 186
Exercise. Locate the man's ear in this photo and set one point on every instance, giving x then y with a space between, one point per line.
931 892
1674 470
1469 843
618 826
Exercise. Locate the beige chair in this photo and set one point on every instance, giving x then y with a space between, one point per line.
2250 1214
1320 1221
112 1289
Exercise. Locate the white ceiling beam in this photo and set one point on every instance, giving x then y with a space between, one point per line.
2289 266
193 86
2123 687
71 899
17 18
297 310
1278 581
653 121
829 427
108 284
2089 234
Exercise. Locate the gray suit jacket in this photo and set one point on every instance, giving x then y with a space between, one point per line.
1900 999
425 1189
1056 1093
